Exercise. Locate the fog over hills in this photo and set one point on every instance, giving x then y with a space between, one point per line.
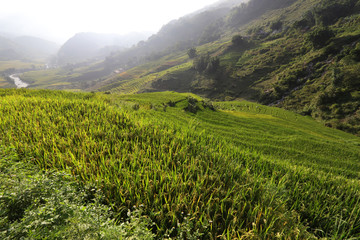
8 50
88 46
26 48
34 46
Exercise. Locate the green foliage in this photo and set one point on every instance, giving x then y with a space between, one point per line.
192 53
355 53
245 170
320 36
192 105
307 21
276 25
239 41
244 13
37 205
328 12
216 173
212 32
206 64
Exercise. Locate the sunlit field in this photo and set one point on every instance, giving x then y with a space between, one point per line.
225 169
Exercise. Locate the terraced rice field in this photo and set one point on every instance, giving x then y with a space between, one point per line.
231 169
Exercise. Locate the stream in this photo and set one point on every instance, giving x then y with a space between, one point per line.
18 82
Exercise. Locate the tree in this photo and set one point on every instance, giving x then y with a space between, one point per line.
213 65
206 64
200 63
192 52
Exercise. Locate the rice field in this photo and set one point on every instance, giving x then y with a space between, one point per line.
17 64
139 83
230 170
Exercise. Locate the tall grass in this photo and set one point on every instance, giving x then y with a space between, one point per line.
240 174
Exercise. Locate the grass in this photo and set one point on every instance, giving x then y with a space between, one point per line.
35 204
138 84
69 77
52 78
244 171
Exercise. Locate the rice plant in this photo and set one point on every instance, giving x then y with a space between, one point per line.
242 171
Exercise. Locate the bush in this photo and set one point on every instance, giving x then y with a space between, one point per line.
276 25
192 105
355 53
330 11
320 37
238 40
192 53
307 21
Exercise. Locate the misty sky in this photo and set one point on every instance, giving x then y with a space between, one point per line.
59 20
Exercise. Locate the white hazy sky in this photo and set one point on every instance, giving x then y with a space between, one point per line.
61 19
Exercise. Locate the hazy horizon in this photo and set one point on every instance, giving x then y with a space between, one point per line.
59 20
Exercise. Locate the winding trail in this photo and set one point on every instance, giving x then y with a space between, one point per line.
18 82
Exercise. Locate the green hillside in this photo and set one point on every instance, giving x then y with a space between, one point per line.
198 170
299 55
173 141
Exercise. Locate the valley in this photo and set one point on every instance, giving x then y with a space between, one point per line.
18 82
238 121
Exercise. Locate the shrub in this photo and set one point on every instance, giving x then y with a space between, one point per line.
330 11
192 105
276 25
320 36
206 64
238 40
307 21
192 53
355 53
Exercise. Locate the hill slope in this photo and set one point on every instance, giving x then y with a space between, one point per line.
300 55
243 170
89 46
8 50
36 48
26 48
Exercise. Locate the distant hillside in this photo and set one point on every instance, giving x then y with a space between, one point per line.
85 46
34 47
9 50
198 28
26 48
